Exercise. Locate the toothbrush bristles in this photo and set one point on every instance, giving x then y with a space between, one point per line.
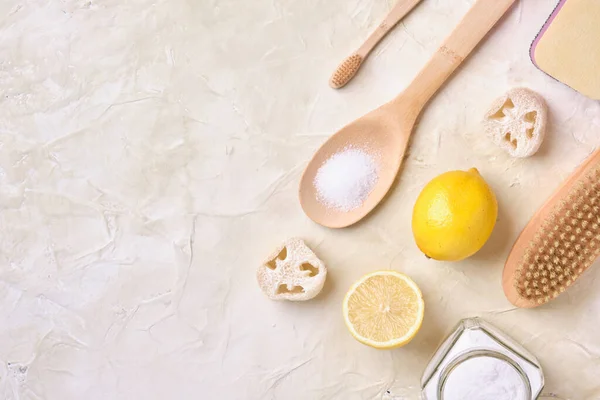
345 71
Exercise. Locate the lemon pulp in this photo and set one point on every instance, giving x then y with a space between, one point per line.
384 309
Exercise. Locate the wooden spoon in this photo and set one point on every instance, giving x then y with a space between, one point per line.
386 130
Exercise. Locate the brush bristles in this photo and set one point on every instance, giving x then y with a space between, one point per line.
567 243
345 71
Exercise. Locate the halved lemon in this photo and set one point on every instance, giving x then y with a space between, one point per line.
384 309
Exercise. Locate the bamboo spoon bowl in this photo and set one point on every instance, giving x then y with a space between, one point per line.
385 132
382 134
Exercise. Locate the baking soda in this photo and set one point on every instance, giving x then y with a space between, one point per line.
346 179
485 378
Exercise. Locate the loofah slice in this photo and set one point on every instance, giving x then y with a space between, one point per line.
293 272
517 122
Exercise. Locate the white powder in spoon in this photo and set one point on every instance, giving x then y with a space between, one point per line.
345 180
485 378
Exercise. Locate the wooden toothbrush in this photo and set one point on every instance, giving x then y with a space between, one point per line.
349 67
386 130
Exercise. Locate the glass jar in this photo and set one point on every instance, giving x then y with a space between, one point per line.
474 338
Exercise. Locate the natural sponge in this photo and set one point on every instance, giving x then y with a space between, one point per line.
293 272
517 122
568 46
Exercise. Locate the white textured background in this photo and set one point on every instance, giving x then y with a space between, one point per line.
150 153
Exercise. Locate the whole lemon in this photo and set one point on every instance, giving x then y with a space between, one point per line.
454 215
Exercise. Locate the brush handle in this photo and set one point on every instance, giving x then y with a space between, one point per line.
478 21
395 15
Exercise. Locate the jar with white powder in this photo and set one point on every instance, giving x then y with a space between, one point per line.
478 362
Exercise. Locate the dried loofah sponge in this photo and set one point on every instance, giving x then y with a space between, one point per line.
293 272
517 122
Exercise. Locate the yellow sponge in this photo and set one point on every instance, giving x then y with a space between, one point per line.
568 46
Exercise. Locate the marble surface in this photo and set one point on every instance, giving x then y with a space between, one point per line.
150 152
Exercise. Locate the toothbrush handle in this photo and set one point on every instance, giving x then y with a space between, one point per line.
350 66
478 21
395 15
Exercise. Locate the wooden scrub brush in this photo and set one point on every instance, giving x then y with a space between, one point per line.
561 241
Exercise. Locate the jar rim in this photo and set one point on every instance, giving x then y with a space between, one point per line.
471 354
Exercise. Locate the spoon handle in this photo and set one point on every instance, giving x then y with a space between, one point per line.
478 21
